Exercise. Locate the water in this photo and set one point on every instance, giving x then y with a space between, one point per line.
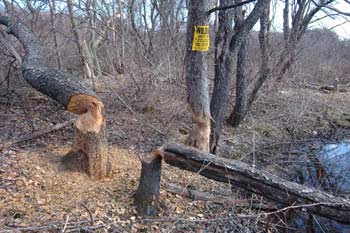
335 159
328 169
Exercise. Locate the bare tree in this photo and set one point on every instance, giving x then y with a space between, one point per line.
241 75
90 137
223 71
302 15
87 69
52 5
196 79
243 103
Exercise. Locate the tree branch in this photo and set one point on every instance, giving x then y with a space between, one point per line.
223 8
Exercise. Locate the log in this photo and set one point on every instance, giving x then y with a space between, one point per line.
257 181
70 92
147 194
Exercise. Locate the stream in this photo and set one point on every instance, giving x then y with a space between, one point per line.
328 168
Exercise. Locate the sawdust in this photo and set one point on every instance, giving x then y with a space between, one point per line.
38 189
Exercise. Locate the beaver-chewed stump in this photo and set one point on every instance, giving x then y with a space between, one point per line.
147 194
69 91
235 173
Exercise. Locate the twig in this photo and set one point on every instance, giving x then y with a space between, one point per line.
222 8
54 227
219 199
132 111
35 134
65 224
287 208
318 223
198 195
90 213
177 220
239 216
15 228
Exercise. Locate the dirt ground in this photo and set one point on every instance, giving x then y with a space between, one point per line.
38 194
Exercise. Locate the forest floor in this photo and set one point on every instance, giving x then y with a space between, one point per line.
38 193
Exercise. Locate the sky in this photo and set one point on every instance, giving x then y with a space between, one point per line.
340 25
343 30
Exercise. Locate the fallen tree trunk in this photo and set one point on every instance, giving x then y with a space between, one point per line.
257 181
70 92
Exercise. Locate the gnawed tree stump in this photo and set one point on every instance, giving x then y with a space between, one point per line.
70 92
254 180
147 194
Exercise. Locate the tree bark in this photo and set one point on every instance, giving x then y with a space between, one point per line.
147 194
222 54
301 19
52 5
264 57
257 181
239 110
222 80
87 69
69 92
196 79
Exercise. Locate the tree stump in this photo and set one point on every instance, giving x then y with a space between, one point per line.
90 135
147 194
70 92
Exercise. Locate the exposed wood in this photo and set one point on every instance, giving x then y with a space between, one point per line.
147 194
200 133
54 83
70 92
36 134
196 79
94 146
257 181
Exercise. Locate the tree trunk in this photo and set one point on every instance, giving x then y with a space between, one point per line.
69 92
301 18
147 194
222 79
196 79
257 181
87 69
264 49
52 5
239 110
222 55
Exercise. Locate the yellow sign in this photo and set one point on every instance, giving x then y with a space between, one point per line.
201 40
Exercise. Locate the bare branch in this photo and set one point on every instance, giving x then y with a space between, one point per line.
223 8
